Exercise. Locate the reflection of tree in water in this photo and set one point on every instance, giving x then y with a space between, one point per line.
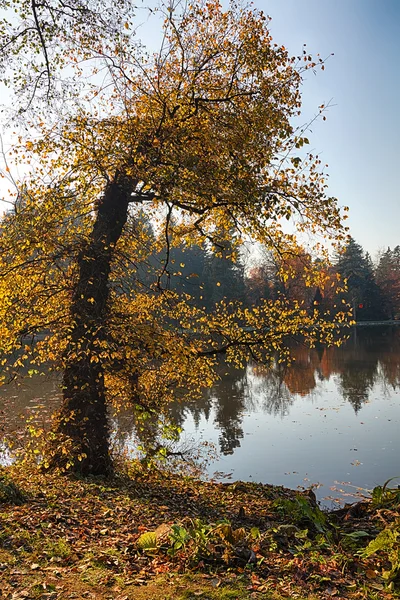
229 401
356 363
230 404
273 389
301 377
266 388
369 354
356 382
389 357
129 427
199 408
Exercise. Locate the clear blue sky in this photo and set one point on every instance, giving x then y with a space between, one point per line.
360 139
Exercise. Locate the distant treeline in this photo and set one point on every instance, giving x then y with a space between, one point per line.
373 291
210 274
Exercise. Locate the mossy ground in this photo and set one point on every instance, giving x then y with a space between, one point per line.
63 537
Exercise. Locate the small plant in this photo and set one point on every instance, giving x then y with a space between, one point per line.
197 536
353 539
10 493
203 541
383 495
302 512
179 537
387 542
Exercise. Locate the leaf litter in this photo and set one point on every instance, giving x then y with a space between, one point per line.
77 538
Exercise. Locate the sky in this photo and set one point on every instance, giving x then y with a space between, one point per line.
360 139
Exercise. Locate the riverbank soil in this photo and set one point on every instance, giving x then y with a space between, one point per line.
145 535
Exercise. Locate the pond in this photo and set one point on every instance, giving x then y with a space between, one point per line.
330 420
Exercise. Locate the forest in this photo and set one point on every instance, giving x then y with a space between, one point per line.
372 290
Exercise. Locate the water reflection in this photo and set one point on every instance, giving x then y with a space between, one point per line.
312 417
33 398
370 355
266 388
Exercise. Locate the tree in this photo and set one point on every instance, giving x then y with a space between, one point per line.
363 293
187 266
373 308
292 273
258 284
388 280
223 275
199 137
291 269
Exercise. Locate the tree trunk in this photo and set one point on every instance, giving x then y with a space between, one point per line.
83 417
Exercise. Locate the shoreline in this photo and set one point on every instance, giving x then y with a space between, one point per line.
161 535
375 323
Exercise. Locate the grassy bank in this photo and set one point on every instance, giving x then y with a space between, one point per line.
154 535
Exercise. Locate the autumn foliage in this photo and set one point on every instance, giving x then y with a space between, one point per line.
199 138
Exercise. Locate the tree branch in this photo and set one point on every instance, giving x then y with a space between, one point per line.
42 43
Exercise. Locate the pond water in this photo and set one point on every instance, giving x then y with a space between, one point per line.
330 420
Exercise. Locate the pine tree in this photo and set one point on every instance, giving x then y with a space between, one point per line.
388 279
223 275
362 291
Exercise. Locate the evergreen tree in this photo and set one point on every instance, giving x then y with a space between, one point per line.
187 271
223 275
362 294
388 279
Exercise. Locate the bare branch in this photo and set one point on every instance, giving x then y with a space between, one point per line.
35 6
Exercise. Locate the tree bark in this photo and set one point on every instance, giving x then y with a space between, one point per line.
83 418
